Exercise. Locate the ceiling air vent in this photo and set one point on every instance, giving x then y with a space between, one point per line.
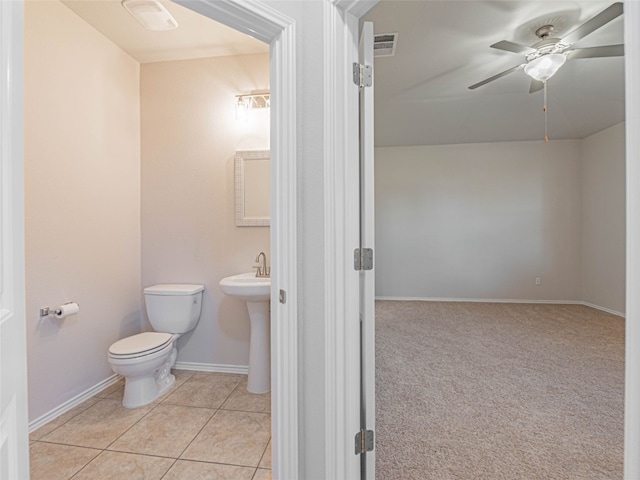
384 44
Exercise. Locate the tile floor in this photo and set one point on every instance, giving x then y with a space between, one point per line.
207 427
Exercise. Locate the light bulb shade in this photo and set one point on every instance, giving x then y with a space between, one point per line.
151 14
545 66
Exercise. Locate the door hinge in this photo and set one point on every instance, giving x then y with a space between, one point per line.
363 259
364 441
362 75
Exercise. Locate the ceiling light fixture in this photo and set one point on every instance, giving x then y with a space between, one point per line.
151 14
544 67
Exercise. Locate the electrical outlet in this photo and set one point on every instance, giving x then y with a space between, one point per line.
538 281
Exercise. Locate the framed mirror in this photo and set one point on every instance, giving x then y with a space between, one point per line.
252 188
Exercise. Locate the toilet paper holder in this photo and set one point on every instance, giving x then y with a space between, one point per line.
46 311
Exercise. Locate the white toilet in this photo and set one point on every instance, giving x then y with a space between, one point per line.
145 360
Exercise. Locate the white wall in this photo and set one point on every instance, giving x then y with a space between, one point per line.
189 137
82 147
482 221
603 218
479 221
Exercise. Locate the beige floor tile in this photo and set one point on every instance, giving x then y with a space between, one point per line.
49 461
244 401
166 431
183 470
204 390
125 466
265 461
238 438
262 474
65 417
182 376
99 425
109 391
116 392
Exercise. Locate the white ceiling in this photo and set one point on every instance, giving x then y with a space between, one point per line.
421 94
196 36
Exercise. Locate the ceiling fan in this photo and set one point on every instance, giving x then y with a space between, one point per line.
545 57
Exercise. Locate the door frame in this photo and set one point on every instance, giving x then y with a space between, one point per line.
14 437
341 214
632 308
271 26
341 33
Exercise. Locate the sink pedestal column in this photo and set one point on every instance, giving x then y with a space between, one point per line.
259 380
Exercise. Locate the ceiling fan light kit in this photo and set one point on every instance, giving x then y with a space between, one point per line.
544 67
544 58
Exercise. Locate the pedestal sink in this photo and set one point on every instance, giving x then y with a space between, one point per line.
256 292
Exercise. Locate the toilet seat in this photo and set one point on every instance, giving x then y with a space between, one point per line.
140 345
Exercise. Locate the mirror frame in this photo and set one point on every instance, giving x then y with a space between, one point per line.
242 156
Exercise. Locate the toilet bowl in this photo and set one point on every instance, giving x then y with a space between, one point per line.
145 359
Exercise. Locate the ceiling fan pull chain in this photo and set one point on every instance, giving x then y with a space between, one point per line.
544 109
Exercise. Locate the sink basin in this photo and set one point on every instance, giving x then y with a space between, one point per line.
247 287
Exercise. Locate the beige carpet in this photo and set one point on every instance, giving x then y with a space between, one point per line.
498 391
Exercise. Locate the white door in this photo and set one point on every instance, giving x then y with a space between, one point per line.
14 448
367 276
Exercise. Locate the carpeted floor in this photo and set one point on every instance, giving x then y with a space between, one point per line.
498 391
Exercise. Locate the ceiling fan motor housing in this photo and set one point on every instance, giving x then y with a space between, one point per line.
544 31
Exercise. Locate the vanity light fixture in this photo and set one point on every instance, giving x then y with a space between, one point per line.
254 100
151 14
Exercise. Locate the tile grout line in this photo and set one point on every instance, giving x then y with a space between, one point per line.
266 447
133 424
159 402
207 422
69 419
175 460
199 432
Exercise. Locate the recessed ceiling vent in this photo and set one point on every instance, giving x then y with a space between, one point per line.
384 44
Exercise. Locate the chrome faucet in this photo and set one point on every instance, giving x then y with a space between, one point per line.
262 270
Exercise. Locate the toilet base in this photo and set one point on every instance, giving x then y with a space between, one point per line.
143 390
144 387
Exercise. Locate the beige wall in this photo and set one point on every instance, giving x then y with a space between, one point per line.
113 206
189 138
479 221
82 148
603 218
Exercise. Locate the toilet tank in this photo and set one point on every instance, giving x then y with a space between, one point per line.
173 308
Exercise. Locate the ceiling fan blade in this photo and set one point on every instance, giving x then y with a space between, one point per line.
536 85
495 77
512 47
594 52
604 17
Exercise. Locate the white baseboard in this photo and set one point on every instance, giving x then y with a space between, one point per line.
480 300
75 401
212 367
501 300
604 309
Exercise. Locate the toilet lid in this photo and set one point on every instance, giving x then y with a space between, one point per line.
141 344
